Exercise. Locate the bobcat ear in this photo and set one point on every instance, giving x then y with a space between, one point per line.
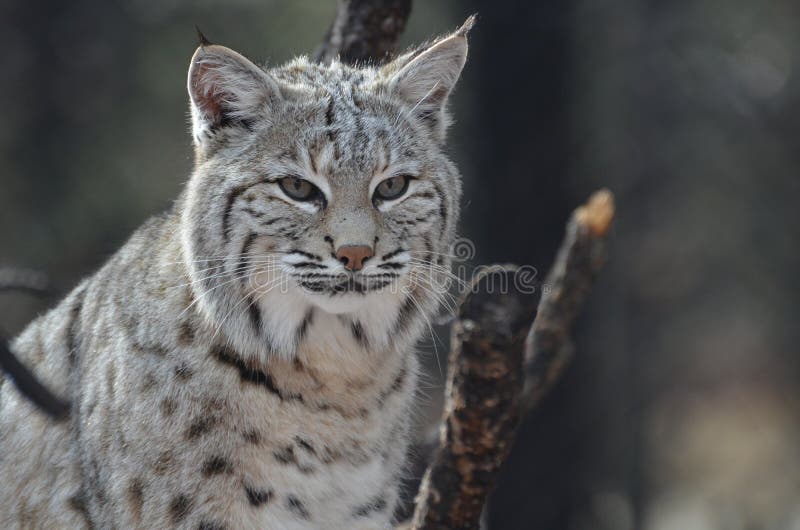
425 79
225 89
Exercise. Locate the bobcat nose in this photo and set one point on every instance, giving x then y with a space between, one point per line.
354 256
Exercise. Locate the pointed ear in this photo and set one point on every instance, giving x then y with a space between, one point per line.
225 89
425 79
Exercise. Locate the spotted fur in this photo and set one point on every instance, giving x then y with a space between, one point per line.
225 370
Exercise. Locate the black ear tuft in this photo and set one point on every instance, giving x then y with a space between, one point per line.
203 40
467 25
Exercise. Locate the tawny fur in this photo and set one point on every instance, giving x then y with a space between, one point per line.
222 375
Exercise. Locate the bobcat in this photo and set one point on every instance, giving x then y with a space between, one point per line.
246 359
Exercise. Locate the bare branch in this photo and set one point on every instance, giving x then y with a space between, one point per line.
548 347
484 385
491 383
364 30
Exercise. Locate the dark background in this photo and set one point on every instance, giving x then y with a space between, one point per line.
681 408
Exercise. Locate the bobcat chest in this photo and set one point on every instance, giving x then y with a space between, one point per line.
326 458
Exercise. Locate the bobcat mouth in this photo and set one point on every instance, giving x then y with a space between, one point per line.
346 284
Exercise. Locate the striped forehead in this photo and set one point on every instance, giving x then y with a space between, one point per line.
349 143
331 76
352 136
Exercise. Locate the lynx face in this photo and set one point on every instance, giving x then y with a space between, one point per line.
320 186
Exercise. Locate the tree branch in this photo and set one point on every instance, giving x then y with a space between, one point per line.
484 385
364 31
548 347
490 384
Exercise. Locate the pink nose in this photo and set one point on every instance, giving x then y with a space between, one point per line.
354 256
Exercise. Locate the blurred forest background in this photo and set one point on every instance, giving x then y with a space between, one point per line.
681 410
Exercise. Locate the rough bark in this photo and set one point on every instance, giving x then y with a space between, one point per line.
492 383
484 386
364 31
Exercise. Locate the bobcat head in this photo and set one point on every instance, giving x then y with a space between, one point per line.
320 186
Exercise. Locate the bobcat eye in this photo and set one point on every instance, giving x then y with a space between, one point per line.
391 188
299 189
